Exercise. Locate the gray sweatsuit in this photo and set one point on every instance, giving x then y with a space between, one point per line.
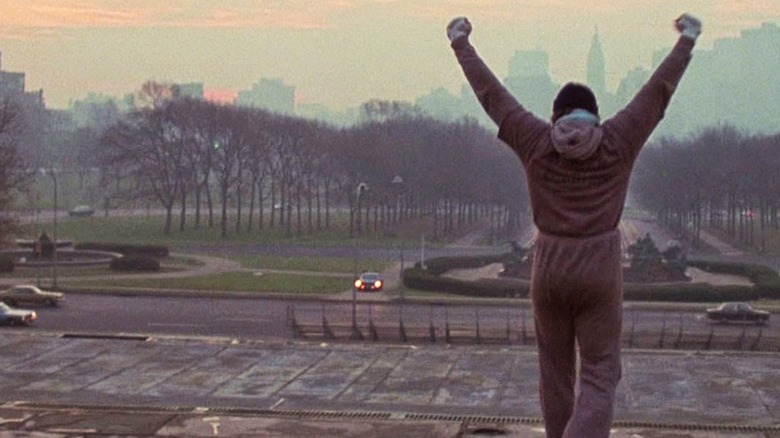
577 175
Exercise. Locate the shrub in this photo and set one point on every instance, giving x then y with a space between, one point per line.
7 263
768 291
135 264
688 292
417 278
502 287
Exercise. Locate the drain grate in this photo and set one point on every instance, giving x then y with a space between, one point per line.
482 430
121 337
151 409
475 418
361 415
472 420
698 427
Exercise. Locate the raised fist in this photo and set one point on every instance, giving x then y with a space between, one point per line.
688 26
458 27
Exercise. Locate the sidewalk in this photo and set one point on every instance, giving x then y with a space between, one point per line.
59 387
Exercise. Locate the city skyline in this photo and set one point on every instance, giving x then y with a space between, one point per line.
337 53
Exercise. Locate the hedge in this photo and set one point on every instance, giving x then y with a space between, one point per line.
7 263
418 278
766 282
688 292
135 264
126 249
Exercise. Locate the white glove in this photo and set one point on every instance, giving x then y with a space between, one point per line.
458 27
688 25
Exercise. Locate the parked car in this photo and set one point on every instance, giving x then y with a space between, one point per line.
369 282
29 294
737 312
10 316
81 211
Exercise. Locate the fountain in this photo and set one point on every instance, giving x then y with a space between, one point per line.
647 263
40 252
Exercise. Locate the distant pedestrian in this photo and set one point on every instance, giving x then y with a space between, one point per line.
578 170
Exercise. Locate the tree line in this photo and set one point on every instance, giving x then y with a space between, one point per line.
224 166
243 170
721 178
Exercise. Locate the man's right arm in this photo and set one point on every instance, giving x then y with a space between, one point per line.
491 93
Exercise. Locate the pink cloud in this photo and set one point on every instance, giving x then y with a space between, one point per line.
748 7
220 96
26 15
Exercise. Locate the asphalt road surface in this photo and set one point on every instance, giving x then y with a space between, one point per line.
272 319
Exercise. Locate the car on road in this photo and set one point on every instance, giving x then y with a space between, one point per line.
737 312
81 211
11 316
29 294
369 282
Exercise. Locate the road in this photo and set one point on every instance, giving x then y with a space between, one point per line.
255 319
272 318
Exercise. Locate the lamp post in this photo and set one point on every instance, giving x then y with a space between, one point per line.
361 187
422 250
53 173
397 182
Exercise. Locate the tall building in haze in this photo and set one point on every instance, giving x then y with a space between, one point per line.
12 87
597 71
530 82
270 94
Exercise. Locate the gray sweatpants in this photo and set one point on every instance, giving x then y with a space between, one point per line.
576 289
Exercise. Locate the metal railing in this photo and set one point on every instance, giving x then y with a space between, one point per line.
473 324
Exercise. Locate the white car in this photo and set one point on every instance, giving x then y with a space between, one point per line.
30 295
10 316
81 211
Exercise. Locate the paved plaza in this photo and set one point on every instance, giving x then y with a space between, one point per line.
66 386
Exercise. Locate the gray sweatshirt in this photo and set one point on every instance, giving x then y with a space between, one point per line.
577 173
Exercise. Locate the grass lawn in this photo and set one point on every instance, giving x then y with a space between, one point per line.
141 230
313 264
148 229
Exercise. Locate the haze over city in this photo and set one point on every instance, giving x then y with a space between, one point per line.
338 53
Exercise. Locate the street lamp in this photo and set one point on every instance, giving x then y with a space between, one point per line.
398 183
53 173
361 187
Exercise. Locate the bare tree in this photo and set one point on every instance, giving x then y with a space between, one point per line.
150 145
229 149
258 145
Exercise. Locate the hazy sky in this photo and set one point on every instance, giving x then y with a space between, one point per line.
335 52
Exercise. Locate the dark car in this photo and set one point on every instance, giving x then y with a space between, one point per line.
29 294
81 211
737 312
369 282
10 316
